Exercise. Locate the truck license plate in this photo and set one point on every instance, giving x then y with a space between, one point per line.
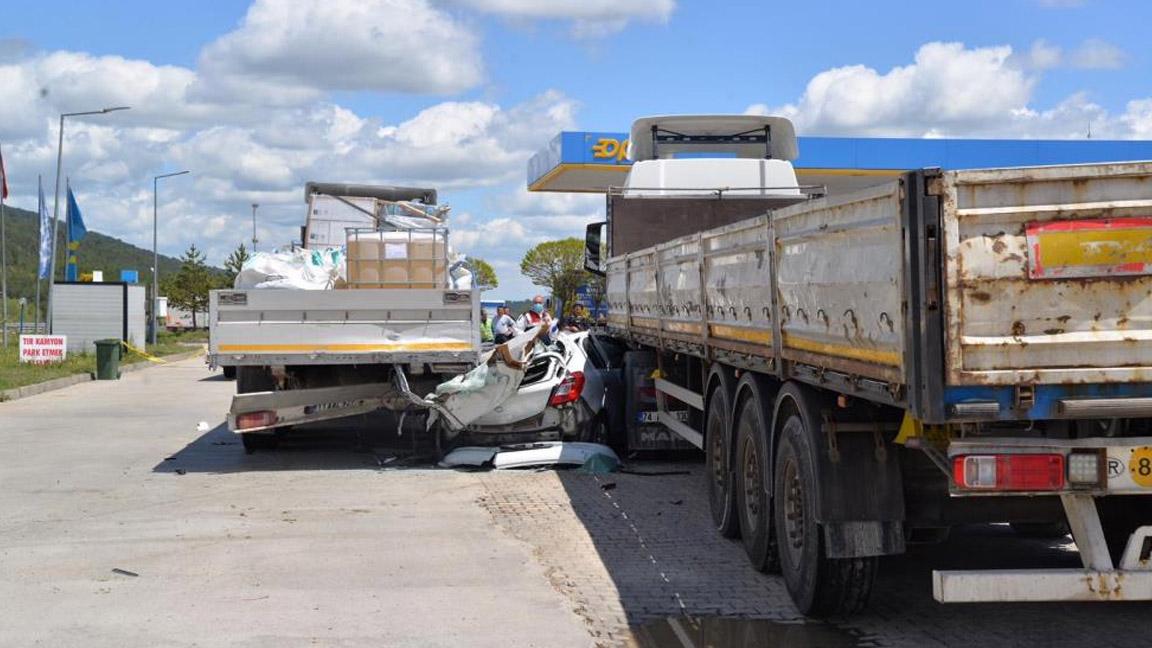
650 417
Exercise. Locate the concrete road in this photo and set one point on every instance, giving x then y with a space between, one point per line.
314 545
329 542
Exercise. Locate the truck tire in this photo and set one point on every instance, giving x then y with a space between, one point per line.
718 467
254 379
229 372
818 585
254 441
752 501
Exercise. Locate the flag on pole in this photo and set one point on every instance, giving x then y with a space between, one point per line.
76 232
3 178
45 236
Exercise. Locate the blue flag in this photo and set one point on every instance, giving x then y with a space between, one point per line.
76 232
45 235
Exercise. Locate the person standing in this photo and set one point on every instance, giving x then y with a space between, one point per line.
535 316
485 327
504 327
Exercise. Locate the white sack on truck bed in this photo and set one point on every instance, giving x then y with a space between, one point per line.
299 268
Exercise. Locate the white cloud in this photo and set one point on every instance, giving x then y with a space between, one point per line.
1042 56
949 90
591 18
1096 54
238 152
298 48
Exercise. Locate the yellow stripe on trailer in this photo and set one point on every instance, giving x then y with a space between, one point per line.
892 358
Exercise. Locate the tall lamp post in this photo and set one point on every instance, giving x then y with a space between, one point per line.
156 255
254 239
56 200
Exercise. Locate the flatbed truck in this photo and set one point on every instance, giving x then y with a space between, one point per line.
304 356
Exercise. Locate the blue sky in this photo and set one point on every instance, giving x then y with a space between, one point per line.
244 94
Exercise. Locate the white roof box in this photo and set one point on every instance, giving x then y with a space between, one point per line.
748 136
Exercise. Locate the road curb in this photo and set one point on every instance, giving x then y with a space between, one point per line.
75 379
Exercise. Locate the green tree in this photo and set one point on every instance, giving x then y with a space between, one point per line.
558 266
484 277
188 288
233 265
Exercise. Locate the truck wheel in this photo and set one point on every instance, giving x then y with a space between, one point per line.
254 379
718 470
254 441
752 501
819 586
229 371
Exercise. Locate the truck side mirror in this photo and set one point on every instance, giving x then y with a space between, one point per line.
593 236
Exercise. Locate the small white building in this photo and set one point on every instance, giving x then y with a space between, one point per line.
87 312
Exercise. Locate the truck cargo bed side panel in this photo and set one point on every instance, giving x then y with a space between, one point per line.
839 268
1049 274
738 285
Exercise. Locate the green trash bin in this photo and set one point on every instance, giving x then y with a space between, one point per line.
108 359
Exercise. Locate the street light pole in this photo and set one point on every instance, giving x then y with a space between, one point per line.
155 254
254 239
56 200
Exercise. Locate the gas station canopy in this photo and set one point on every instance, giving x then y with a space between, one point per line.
590 162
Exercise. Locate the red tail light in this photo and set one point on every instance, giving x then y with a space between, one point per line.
1009 472
250 420
568 391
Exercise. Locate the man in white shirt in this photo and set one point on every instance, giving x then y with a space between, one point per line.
503 327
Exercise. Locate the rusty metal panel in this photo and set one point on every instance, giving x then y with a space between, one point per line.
738 283
1046 274
681 299
839 275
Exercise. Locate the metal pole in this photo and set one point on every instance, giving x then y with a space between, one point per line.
56 199
155 321
55 222
4 265
254 240
155 254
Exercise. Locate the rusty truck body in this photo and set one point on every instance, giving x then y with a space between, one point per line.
871 369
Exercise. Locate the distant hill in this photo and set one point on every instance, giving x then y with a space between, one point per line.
97 252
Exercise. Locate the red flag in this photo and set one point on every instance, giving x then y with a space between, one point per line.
3 177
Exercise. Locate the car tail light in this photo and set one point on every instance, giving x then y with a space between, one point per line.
568 391
1009 472
250 420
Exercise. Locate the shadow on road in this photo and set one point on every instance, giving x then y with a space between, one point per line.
654 538
216 377
369 442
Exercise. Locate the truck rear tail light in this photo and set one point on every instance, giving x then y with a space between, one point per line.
250 420
1009 472
568 391
1084 468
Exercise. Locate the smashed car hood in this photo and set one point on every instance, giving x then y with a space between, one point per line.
469 396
